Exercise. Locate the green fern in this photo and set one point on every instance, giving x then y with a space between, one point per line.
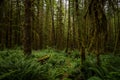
94 78
7 74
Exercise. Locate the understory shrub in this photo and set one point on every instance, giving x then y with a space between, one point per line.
58 66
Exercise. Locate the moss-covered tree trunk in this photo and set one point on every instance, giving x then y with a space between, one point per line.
40 22
53 36
98 31
60 26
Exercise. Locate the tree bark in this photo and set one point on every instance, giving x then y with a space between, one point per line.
27 27
53 36
68 31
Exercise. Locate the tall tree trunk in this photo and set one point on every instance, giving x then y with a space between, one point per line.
68 31
9 27
117 30
27 27
39 24
99 26
53 36
80 41
60 34
74 26
41 21
17 23
2 25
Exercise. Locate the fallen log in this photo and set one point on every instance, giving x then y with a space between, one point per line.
44 58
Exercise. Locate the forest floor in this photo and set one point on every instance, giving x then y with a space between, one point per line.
50 64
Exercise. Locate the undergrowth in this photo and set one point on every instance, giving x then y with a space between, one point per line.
59 66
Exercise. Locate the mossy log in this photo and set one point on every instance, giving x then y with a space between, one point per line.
44 58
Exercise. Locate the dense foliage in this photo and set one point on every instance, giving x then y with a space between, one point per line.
59 66
59 39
